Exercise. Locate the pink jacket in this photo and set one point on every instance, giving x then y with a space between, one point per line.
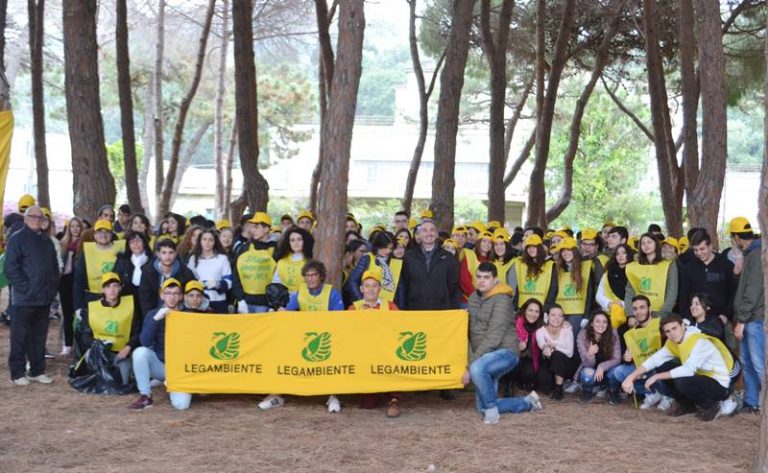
523 335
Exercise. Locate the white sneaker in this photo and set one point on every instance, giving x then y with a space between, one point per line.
728 406
651 399
491 416
333 404
571 387
41 378
153 383
665 403
533 398
65 351
273 400
23 381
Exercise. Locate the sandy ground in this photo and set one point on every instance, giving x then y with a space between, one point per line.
55 428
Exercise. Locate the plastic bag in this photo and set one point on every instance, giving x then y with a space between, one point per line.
277 295
99 375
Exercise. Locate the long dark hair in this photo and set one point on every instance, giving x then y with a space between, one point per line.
534 264
605 343
642 258
616 275
381 240
508 252
532 301
197 250
575 268
411 243
284 249
131 235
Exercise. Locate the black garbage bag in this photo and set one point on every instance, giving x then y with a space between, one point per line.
96 372
277 295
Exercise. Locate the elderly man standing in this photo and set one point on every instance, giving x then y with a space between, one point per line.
32 270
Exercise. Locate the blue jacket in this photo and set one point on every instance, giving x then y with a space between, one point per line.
31 268
335 301
153 334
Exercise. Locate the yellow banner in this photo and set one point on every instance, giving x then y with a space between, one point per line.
312 353
6 134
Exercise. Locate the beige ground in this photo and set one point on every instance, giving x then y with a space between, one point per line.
55 428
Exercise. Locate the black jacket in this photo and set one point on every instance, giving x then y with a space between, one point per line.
436 288
124 268
31 268
149 289
716 280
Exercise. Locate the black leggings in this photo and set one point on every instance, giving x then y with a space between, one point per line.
556 365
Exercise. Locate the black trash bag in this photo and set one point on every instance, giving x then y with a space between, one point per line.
96 372
277 295
83 338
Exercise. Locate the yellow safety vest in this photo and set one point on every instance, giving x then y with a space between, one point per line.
502 269
383 306
289 271
642 342
573 301
617 314
649 280
98 262
683 351
603 259
538 288
255 269
395 265
320 302
472 264
112 324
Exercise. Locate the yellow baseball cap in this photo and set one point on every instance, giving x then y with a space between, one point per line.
485 236
478 225
26 201
262 218
566 243
170 282
223 223
739 225
412 222
494 224
632 242
372 274
102 225
193 285
589 234
459 229
107 278
560 233
305 214
533 240
450 242
426 213
672 241
46 212
548 235
501 234
684 243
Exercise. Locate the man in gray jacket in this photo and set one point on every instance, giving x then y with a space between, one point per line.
493 346
33 271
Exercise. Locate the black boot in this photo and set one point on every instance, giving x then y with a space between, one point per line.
586 396
557 393
614 398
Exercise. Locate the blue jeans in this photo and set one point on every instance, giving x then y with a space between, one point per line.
752 356
257 309
485 373
146 365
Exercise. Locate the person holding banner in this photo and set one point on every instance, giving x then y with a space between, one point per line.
255 266
294 250
314 295
149 358
379 258
210 264
371 290
704 375
493 346
195 299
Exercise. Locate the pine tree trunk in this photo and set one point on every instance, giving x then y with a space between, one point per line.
149 146
690 94
126 107
220 202
93 183
447 124
3 21
190 148
337 142
36 11
255 186
157 118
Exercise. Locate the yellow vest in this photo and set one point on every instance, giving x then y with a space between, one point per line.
537 288
395 265
112 324
617 315
383 306
572 301
310 303
289 271
643 342
98 262
603 259
472 264
502 269
649 280
255 269
683 351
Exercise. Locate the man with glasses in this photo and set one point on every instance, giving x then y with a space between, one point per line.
401 220
33 272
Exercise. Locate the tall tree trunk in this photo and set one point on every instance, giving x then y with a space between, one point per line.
714 151
149 144
424 94
126 107
447 124
601 60
690 92
255 186
669 172
158 119
229 160
334 175
525 153
36 11
314 183
495 51
190 148
511 126
537 198
220 202
3 21
93 183
181 121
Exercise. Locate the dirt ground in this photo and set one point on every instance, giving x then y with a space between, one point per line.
55 428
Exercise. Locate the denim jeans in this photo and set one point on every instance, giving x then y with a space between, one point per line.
257 309
146 366
485 373
753 361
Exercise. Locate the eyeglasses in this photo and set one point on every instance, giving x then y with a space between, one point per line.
36 217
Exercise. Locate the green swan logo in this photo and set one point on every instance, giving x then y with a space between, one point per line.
643 344
645 284
530 285
107 266
569 290
318 346
110 327
413 346
227 347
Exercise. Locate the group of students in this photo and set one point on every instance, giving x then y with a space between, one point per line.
549 311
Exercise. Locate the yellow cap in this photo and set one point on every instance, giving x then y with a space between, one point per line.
373 273
673 242
589 234
26 201
102 225
450 242
305 214
478 225
684 244
548 235
193 285
494 224
632 242
262 218
107 278
501 234
561 234
170 282
458 229
402 241
46 211
739 225
566 243
277 229
223 223
426 213
533 240
412 222
485 235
